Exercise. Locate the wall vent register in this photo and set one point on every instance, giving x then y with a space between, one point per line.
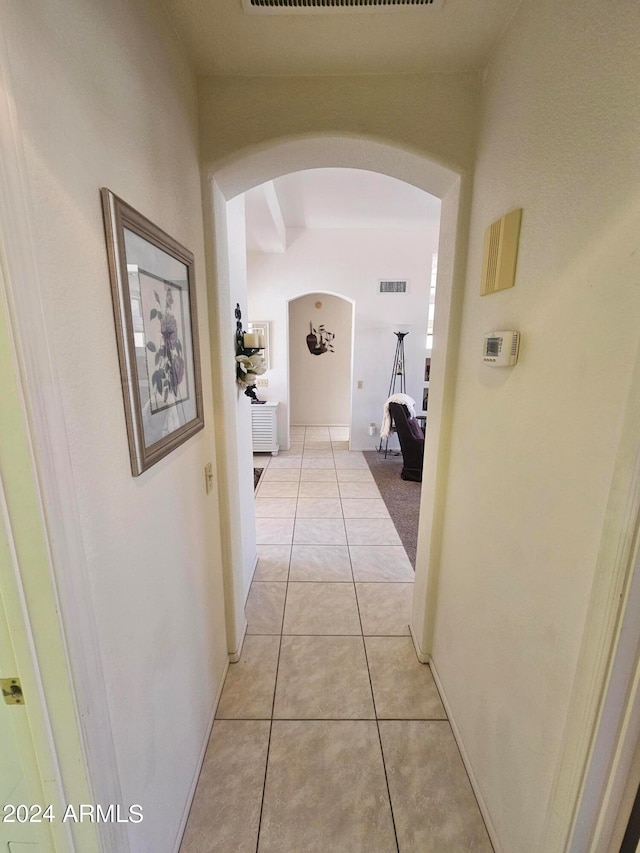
271 7
500 253
393 286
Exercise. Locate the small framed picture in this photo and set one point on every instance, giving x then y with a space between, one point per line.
427 369
425 399
154 306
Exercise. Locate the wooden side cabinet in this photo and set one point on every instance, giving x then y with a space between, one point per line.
264 428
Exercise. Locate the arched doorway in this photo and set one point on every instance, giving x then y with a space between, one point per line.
249 169
321 325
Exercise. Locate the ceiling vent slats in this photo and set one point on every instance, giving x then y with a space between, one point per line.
318 6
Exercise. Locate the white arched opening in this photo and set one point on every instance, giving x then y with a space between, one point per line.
319 394
225 183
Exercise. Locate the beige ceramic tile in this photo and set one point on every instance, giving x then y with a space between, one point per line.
296 433
372 531
276 507
385 608
276 489
350 459
386 563
328 489
433 804
323 678
403 687
314 434
317 462
273 563
339 433
321 608
325 790
275 475
319 531
274 531
359 490
285 462
295 449
319 508
364 508
318 475
265 606
338 446
251 682
354 475
320 563
319 448
225 813
262 460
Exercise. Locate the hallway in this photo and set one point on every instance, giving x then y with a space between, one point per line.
329 734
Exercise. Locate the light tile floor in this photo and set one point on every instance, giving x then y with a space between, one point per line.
330 735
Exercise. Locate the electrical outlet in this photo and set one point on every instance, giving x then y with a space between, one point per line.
262 383
360 384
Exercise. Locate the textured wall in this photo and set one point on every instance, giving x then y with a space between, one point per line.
103 98
534 447
434 114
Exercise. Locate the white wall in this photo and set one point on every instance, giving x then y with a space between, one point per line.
350 262
103 98
431 113
533 448
244 452
320 385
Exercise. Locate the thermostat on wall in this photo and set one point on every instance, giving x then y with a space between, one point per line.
501 348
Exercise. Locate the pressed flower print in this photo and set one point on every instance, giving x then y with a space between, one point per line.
164 332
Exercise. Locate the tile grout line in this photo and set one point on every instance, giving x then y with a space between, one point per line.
273 701
375 710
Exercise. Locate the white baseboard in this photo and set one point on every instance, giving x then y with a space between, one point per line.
196 775
234 657
422 657
467 763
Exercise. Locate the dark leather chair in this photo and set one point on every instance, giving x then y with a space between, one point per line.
411 440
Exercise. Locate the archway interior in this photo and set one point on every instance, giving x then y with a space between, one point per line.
368 238
228 182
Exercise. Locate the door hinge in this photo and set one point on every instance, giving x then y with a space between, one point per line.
12 691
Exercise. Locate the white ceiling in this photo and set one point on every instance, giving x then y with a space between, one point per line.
222 40
334 198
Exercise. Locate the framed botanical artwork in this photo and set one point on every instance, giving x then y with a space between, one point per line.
262 327
155 312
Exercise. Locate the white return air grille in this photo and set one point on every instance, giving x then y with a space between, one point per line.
393 286
272 7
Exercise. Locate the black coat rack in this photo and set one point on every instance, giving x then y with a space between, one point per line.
397 376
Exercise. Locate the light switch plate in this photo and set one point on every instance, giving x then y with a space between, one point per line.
208 477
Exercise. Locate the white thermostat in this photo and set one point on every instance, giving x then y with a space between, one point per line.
500 349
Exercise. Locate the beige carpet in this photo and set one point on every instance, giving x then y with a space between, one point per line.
401 497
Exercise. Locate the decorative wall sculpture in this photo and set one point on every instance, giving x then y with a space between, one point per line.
319 340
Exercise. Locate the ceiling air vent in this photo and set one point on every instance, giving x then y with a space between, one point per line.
393 286
272 7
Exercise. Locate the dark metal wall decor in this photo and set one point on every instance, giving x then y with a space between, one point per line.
319 340
249 361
